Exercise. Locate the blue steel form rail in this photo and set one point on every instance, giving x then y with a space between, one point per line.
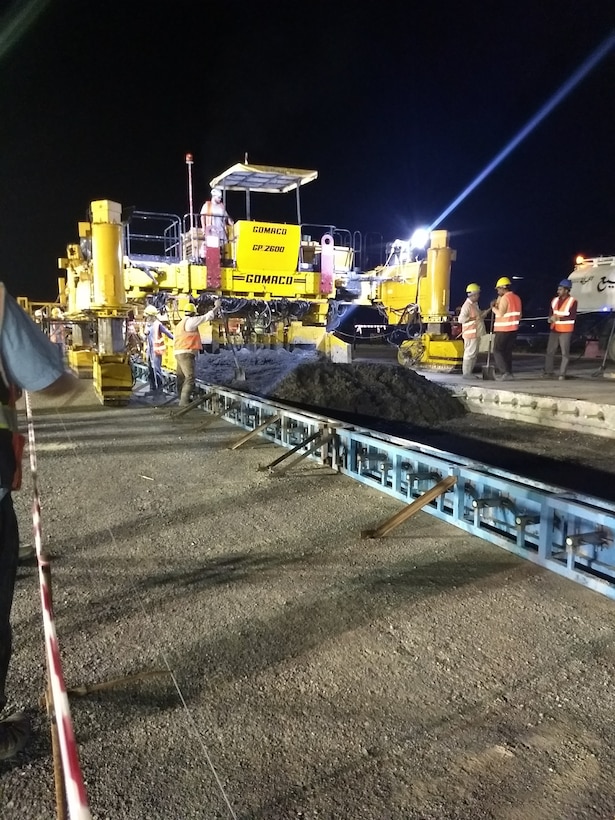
568 533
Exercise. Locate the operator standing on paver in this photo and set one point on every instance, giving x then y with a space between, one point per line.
507 315
471 319
187 343
214 216
562 316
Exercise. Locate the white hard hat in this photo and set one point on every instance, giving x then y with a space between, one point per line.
216 191
150 310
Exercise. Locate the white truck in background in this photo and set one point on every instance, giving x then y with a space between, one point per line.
593 286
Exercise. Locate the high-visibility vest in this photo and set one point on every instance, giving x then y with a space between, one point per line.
564 323
510 320
158 344
12 442
469 328
186 341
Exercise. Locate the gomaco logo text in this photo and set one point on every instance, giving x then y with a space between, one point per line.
269 279
267 229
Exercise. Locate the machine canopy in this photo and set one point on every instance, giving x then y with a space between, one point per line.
263 178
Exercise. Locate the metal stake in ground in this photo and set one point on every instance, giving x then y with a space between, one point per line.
418 504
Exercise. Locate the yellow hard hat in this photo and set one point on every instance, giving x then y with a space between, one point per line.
473 288
502 282
190 308
56 313
150 310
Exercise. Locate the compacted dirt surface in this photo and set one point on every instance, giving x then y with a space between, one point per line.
266 662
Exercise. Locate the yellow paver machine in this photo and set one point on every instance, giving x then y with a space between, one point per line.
288 284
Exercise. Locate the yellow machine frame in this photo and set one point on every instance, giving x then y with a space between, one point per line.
260 262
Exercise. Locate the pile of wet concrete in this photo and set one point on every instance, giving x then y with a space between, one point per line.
361 390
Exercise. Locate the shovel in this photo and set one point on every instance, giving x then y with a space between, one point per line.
489 369
240 373
607 347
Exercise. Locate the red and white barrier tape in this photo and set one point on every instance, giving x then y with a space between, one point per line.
76 798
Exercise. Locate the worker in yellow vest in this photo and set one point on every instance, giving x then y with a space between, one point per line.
562 316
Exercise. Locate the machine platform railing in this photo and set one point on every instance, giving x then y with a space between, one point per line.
156 236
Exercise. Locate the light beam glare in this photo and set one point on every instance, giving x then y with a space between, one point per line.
17 21
559 95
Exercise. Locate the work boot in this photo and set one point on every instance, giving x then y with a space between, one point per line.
506 377
562 378
546 375
14 734
26 553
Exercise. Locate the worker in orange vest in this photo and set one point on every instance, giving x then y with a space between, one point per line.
471 319
187 343
506 317
562 316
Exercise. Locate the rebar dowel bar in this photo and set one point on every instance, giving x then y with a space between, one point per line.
292 451
263 426
418 504
176 414
88 688
320 442
211 418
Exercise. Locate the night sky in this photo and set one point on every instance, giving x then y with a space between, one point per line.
397 105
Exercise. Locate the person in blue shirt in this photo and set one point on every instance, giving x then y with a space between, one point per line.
28 361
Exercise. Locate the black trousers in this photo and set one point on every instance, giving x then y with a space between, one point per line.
503 344
9 554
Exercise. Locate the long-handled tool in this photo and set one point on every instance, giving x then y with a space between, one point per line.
240 373
489 369
607 347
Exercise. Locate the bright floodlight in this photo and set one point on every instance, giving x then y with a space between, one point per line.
419 238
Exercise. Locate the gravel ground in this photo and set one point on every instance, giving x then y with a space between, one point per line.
314 674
